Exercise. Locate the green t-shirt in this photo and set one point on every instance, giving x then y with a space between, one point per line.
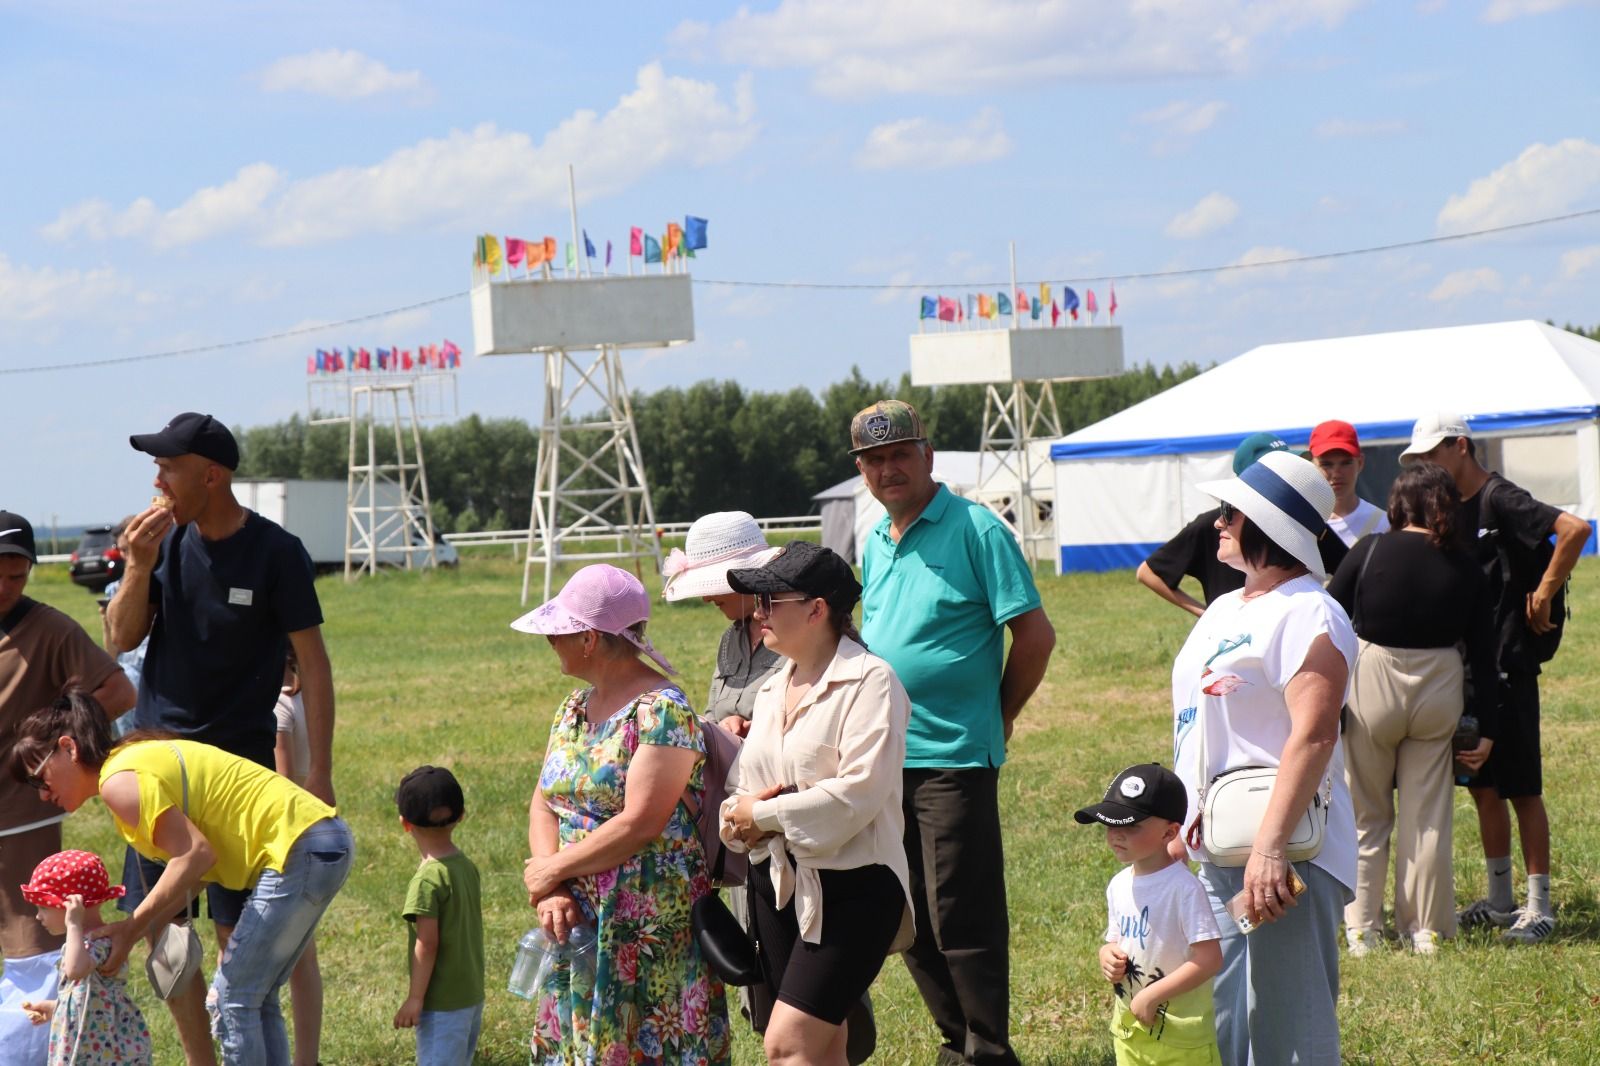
934 606
447 890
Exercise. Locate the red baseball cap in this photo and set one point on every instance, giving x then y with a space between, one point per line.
1335 436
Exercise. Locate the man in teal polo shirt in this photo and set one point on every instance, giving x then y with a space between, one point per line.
943 579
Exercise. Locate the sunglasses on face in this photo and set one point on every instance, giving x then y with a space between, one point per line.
1229 512
765 600
35 778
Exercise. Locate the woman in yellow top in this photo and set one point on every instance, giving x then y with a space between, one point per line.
210 816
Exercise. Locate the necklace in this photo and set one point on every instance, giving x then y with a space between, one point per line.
1262 592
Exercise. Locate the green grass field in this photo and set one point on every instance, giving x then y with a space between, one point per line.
427 671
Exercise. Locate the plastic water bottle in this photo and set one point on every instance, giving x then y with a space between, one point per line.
538 953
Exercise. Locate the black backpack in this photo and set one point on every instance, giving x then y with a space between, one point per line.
1517 571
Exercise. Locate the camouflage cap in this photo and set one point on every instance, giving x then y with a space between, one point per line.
885 422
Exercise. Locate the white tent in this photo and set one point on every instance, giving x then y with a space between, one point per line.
1530 392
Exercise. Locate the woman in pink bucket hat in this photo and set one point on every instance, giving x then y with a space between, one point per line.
93 1019
612 845
717 543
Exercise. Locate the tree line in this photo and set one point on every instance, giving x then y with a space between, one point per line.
710 446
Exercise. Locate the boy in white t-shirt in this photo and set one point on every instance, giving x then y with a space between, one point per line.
1336 451
1162 943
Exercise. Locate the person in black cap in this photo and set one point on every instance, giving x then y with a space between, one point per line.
816 799
221 592
43 655
1162 945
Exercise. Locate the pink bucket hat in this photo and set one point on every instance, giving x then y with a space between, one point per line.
600 597
70 873
716 543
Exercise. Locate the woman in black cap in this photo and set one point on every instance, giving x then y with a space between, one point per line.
816 798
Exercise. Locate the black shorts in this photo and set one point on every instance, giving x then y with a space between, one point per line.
223 905
1514 768
861 912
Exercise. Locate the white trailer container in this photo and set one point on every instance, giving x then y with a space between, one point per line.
315 512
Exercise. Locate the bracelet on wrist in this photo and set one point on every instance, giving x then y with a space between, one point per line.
1278 855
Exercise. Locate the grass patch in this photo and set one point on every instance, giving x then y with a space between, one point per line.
427 671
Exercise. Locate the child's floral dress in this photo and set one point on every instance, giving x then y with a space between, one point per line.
96 1022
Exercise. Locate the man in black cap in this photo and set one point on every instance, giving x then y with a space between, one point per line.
43 654
222 593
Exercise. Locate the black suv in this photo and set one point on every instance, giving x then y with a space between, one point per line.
98 561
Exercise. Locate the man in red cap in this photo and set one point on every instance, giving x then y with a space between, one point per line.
1336 450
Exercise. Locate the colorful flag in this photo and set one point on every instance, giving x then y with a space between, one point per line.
1022 301
1090 304
652 249
516 251
549 249
963 317
929 308
1055 314
608 254
972 307
533 253
1111 308
674 238
383 358
1004 303
492 258
1069 301
480 252
636 241
694 232
322 359
572 258
947 309
450 349
405 359
588 246
1044 292
311 364
983 305
1038 309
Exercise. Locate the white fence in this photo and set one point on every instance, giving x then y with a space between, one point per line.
794 524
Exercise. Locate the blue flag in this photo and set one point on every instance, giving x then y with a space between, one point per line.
972 306
652 249
929 308
322 359
694 232
1069 299
1005 303
588 246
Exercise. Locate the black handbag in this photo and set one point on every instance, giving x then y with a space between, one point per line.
723 943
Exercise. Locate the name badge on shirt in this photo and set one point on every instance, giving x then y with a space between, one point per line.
241 597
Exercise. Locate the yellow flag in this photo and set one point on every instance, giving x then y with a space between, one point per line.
492 257
1044 292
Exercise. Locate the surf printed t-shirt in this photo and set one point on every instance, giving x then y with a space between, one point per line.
1153 918
1229 679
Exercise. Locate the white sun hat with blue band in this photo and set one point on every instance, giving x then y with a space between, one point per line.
1287 498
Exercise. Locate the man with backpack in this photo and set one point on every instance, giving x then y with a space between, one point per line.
1509 530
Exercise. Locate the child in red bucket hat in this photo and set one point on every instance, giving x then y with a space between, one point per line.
93 1020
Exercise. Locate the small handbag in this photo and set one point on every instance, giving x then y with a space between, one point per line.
175 956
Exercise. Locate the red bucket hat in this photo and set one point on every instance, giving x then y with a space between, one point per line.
70 873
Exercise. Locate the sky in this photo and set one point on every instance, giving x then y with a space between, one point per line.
185 174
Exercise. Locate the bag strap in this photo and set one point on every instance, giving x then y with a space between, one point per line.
1372 523
183 771
16 615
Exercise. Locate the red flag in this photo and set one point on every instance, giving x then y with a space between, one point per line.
1055 314
947 309
1111 308
405 359
1022 301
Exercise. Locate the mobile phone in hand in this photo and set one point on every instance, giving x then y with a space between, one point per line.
1239 909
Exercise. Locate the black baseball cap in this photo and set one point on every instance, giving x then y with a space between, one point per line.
16 536
802 567
1149 790
191 433
426 789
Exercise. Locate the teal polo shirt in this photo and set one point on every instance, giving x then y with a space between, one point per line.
934 606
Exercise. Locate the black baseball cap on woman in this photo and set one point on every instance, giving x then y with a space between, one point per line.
191 433
801 567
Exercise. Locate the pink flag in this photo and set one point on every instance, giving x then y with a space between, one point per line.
1022 301
1111 308
635 241
311 364
1055 314
515 250
947 309
1090 303
405 359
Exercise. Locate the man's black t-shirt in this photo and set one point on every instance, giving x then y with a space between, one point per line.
1193 553
223 612
1521 522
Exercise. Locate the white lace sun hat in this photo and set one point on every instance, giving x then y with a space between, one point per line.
716 543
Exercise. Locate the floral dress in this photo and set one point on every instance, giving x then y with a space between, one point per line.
651 998
96 1023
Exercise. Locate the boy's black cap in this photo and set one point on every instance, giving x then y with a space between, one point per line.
802 567
1149 790
426 789
191 433
16 536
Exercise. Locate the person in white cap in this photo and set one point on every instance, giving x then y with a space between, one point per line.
1508 529
1259 683
715 544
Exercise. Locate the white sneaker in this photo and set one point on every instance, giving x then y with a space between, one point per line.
1531 927
1425 942
1362 941
1481 914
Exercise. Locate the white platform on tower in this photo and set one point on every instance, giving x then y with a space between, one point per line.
618 311
982 356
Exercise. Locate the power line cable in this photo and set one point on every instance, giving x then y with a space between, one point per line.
817 285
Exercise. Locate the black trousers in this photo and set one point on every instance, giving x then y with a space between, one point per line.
961 958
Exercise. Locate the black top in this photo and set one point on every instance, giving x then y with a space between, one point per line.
1414 595
1521 524
223 612
1193 553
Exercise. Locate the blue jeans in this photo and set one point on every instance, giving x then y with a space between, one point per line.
271 934
1277 995
448 1037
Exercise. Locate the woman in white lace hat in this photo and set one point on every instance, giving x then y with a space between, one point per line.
1260 683
717 543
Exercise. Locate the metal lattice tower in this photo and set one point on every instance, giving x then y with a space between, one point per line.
1015 418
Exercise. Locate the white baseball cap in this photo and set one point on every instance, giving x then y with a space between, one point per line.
1431 430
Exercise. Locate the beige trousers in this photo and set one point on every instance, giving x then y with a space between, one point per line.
1404 705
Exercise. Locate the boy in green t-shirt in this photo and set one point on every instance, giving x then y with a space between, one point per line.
445 1001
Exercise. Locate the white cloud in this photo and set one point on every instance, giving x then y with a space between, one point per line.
1335 128
1579 260
1546 179
1506 10
29 294
951 47
474 176
922 143
1214 211
338 74
1465 283
1257 256
1184 116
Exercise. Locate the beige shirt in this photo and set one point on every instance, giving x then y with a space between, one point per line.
844 752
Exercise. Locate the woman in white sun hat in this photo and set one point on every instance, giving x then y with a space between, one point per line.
1260 683
717 543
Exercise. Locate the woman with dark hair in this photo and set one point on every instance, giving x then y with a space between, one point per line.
211 817
816 799
1259 684
1417 599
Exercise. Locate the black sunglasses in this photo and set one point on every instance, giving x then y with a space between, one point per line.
35 777
1228 513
